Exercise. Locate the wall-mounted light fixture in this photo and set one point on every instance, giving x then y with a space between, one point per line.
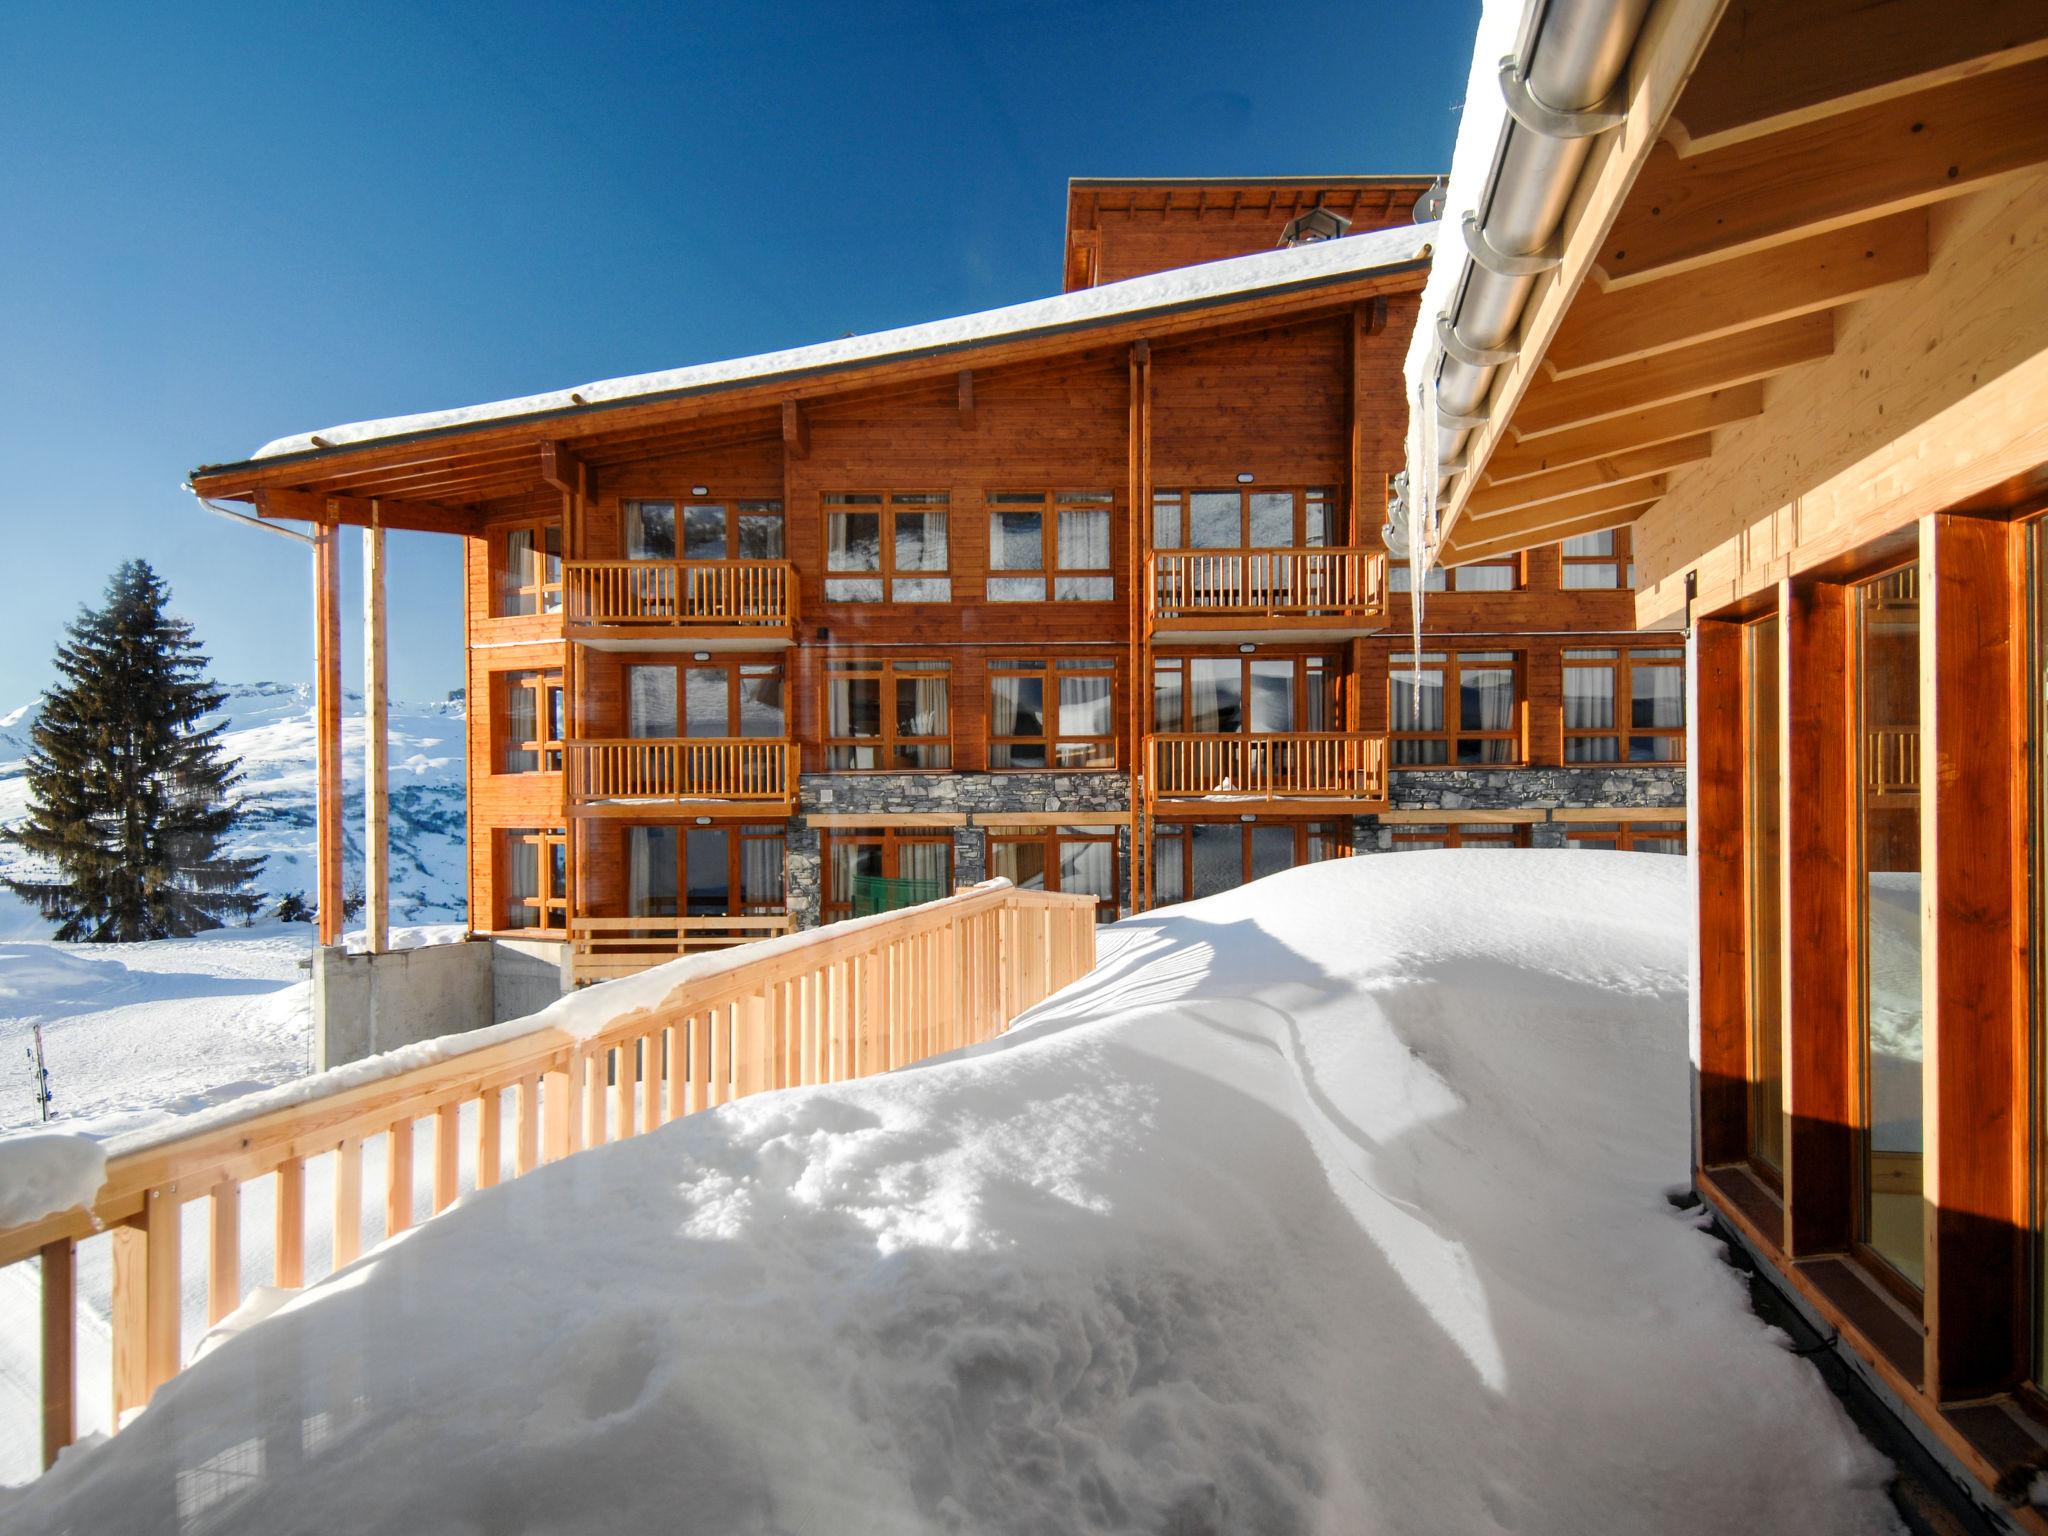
700 490
1245 478
1246 649
700 655
1247 816
703 821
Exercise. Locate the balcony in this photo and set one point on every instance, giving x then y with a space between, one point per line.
710 776
1252 594
681 605
1328 773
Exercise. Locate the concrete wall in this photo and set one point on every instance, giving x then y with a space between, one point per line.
367 1004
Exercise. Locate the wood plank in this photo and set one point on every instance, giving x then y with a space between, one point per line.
526 1117
1543 525
398 1176
1686 213
288 1233
1774 65
1715 768
1693 370
224 1250
447 1155
59 1278
889 819
327 700
376 749
1823 271
1626 434
348 1201
164 1290
1974 698
1448 818
796 430
1560 485
490 1138
283 502
1815 814
129 1322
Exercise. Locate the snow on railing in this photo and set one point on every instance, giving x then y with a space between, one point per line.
824 1006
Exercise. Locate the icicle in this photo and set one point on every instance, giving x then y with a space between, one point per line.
1422 493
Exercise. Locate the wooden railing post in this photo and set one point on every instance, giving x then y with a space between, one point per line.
224 1258
59 1278
288 1233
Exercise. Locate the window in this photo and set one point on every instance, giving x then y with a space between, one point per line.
1886 623
1220 695
893 544
701 530
1502 575
888 715
529 560
530 716
718 699
1455 707
1624 706
1205 858
1242 518
1628 836
1059 859
1052 715
1594 560
533 879
705 871
1455 834
1066 533
922 858
1760 811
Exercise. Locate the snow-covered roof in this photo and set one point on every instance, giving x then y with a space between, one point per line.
1211 282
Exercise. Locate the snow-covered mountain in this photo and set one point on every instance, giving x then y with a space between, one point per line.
270 735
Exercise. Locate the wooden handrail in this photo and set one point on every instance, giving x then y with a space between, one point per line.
841 1002
1320 765
681 594
1266 583
683 768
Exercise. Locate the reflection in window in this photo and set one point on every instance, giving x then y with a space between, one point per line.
1888 849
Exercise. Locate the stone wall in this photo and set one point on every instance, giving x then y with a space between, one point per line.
897 794
1622 785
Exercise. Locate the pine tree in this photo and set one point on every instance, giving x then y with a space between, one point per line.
128 794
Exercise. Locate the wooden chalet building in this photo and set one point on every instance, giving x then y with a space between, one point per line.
1786 331
1087 592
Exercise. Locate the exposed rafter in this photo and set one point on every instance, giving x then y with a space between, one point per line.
1622 434
1558 485
363 512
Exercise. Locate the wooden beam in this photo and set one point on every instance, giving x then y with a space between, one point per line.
1714 762
1773 65
1367 321
796 430
1815 815
1443 818
562 468
376 749
1558 510
1565 403
1821 272
1624 434
362 511
966 399
1974 704
59 1276
889 819
1461 549
1636 464
327 792
1846 169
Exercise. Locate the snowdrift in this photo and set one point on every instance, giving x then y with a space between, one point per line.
1332 1204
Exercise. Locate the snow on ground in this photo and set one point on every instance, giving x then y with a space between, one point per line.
1331 1204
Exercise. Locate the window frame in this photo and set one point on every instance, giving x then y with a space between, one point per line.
1050 838
1622 558
1307 666
550 716
734 508
1049 671
1455 664
1457 834
1305 496
737 836
888 671
544 902
1334 833
886 506
1446 579
833 904
1622 665
541 583
1050 572
734 664
1622 836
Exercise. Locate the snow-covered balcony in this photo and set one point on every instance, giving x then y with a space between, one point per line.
1253 594
673 605
1305 772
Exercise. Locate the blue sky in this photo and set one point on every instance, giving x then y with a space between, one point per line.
222 223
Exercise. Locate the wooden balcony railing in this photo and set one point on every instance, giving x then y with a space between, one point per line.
1299 765
1891 762
681 594
750 768
604 947
1340 585
844 1001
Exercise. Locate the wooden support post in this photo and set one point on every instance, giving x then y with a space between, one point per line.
288 1238
60 1347
490 1134
1974 700
130 1321
526 1118
348 1201
1140 541
163 1272
1816 810
1367 321
398 1179
376 749
1722 1123
224 1261
447 1155
558 1114
327 801
796 430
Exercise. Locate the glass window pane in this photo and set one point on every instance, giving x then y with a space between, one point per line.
1272 696
1589 698
1016 589
853 591
651 872
921 706
1017 705
1084 589
522 720
651 701
923 589
704 533
1016 541
853 541
761 866
1166 522
761 701
761 536
1272 519
1216 519
1215 694
1486 698
704 855
1089 867
1484 578
516 579
1085 706
1218 856
707 701
1084 541
922 860
1592 749
1166 698
1023 864
1418 699
1590 544
1586 577
920 541
855 706
1272 850
1657 699
650 530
